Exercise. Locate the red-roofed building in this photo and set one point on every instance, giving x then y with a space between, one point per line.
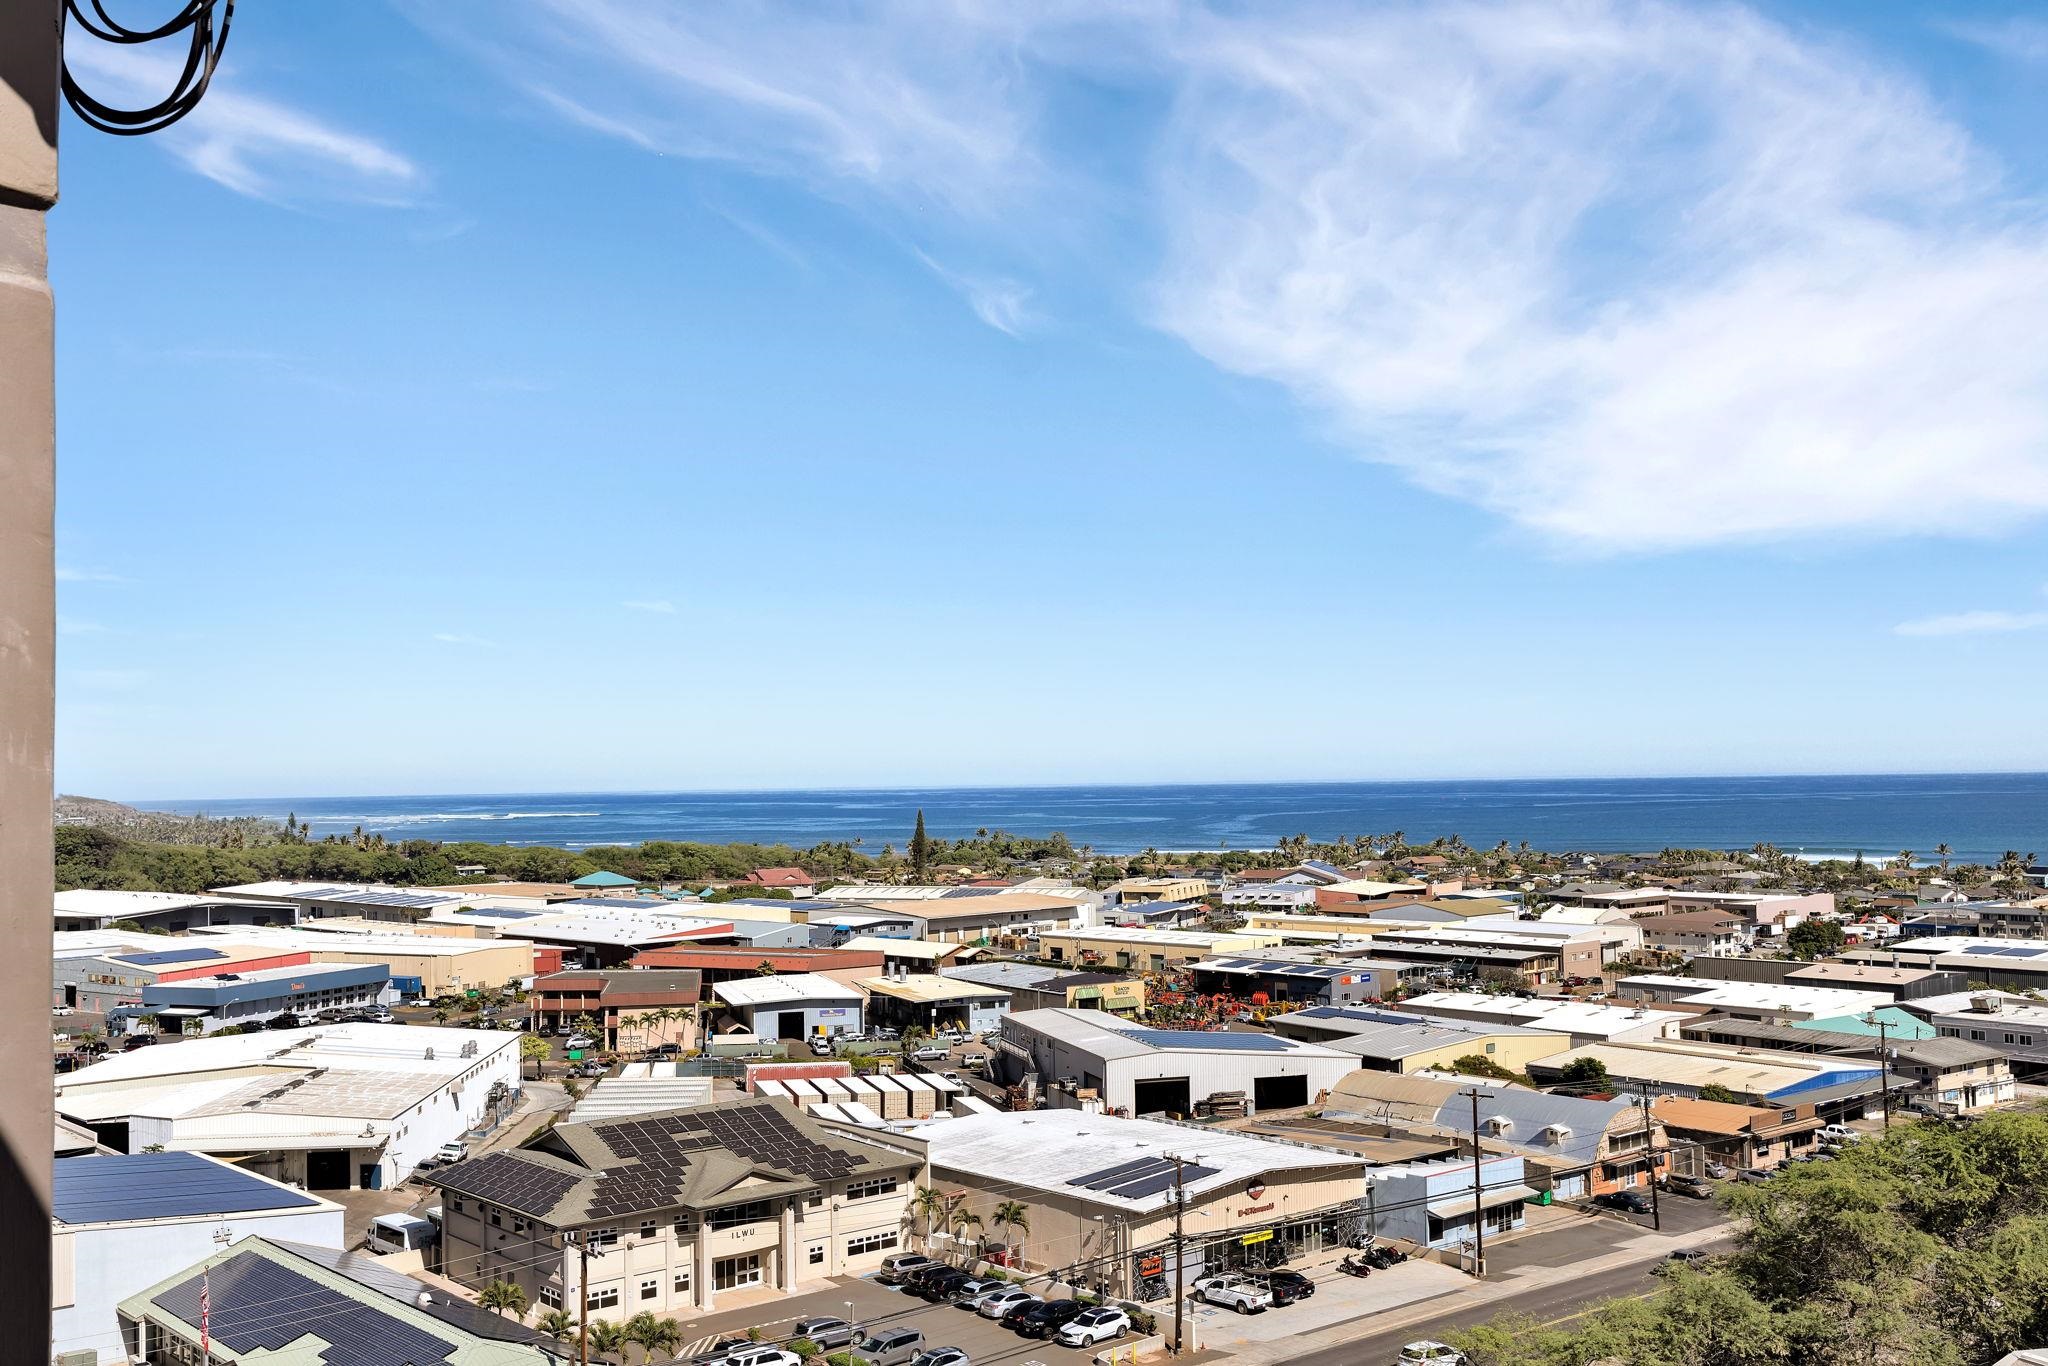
717 965
633 1010
795 881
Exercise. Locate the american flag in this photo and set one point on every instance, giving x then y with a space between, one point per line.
205 1310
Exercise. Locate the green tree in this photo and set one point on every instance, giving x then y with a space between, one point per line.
1585 1074
505 1297
920 850
558 1324
1814 939
1479 1065
1013 1214
605 1337
1714 1090
536 1050
927 1209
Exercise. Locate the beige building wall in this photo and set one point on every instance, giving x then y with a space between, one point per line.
489 966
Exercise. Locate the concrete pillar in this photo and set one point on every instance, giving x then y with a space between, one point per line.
706 1294
29 63
786 1250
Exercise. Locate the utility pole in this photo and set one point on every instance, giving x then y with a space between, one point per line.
1478 1194
582 1246
1884 1062
1650 1151
1180 1280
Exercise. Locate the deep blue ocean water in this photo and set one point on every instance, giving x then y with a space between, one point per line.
1978 815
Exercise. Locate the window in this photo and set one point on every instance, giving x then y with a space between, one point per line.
551 1296
518 1224
867 1190
496 1222
602 1297
872 1242
682 1285
751 1212
817 1254
455 1206
682 1226
601 1237
647 1228
1489 1048
815 1201
650 1287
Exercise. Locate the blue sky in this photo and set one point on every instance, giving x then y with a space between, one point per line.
592 394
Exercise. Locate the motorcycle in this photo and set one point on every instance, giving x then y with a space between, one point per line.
1384 1255
1355 1266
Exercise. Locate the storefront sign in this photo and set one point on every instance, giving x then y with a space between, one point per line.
1255 1209
1264 1235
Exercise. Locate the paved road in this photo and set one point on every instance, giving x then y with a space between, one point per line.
1545 1304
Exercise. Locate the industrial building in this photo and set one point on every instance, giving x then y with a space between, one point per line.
1278 980
2008 964
1663 1067
1143 889
1385 1040
1101 1191
422 966
1113 946
1033 987
1739 1136
797 1005
246 999
680 1207
1434 1203
922 1000
101 981
117 1221
717 965
1140 1071
1905 981
311 899
2016 1026
1576 1020
1750 1000
333 1107
912 955
338 1308
165 912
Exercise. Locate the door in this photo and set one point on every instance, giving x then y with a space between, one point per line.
791 1025
327 1169
1279 1093
1161 1096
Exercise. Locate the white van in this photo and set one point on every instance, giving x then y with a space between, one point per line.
401 1233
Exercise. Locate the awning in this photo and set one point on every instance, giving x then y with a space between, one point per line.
182 1012
1461 1206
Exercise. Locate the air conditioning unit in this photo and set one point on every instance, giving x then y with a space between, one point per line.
87 1357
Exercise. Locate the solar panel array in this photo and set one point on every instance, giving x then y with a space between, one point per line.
246 1291
355 896
86 1190
1277 966
1139 1178
1199 1038
502 912
1990 950
508 1180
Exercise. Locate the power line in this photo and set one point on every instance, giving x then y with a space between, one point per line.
207 39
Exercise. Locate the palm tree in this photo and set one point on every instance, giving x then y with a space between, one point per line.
662 1336
960 1219
558 1324
637 1330
605 1337
505 1297
1013 1214
1904 862
930 1206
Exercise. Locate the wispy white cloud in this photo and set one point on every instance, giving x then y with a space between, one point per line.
68 573
658 606
250 144
1973 624
1002 303
461 638
2016 36
1631 274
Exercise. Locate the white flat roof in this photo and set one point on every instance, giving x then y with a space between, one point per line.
619 928
1133 934
1050 1150
369 942
783 989
1764 995
389 1048
92 902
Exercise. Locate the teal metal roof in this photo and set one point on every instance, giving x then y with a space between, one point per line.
1897 1023
603 879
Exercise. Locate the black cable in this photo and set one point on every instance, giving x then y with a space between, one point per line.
202 55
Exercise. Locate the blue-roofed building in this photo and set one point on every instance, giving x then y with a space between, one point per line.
118 1223
1140 1070
103 982
200 1005
1898 1024
602 880
1278 981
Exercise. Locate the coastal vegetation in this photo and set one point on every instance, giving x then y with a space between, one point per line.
1927 1247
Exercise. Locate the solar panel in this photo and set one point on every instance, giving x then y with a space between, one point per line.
244 1293
509 1180
86 1190
1156 1182
1109 1176
1196 1038
142 960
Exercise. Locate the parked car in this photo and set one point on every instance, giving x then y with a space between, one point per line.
974 1061
997 1303
1232 1291
759 1354
1687 1256
136 1041
1926 1109
576 1041
1017 1309
942 1356
822 1048
665 1050
940 1286
379 1016
897 1265
1716 1170
63 1010
931 1052
1753 1175
1045 1320
451 1152
889 1346
1837 1133
1430 1353
1092 1326
918 1277
827 1333
1288 1286
1628 1201
1693 1187
970 1294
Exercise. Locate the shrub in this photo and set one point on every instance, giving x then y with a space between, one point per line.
804 1348
1143 1322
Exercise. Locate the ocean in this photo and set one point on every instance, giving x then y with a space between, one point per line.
1978 815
